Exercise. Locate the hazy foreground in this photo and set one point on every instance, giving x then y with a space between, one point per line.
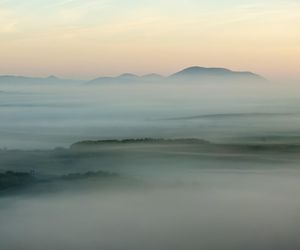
158 196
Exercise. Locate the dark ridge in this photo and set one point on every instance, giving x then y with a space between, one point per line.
88 175
14 181
11 179
140 140
201 146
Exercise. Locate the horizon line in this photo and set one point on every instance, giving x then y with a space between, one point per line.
124 73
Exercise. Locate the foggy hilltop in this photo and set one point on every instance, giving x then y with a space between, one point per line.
192 74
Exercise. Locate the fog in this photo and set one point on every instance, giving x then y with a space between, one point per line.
43 116
155 195
223 209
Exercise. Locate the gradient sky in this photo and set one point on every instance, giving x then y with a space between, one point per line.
88 38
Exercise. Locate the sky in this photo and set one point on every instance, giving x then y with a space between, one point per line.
89 38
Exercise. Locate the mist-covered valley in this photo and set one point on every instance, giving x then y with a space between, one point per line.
149 166
48 116
149 125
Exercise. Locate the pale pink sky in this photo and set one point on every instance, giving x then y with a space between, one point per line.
85 39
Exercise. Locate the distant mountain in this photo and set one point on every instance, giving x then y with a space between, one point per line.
196 73
153 77
192 74
127 78
10 79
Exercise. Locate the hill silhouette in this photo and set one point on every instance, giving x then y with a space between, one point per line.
191 74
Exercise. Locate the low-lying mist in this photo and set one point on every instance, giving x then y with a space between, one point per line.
224 209
237 188
50 116
152 195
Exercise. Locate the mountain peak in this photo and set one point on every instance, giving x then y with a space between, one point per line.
152 76
195 70
128 75
191 74
197 73
52 77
